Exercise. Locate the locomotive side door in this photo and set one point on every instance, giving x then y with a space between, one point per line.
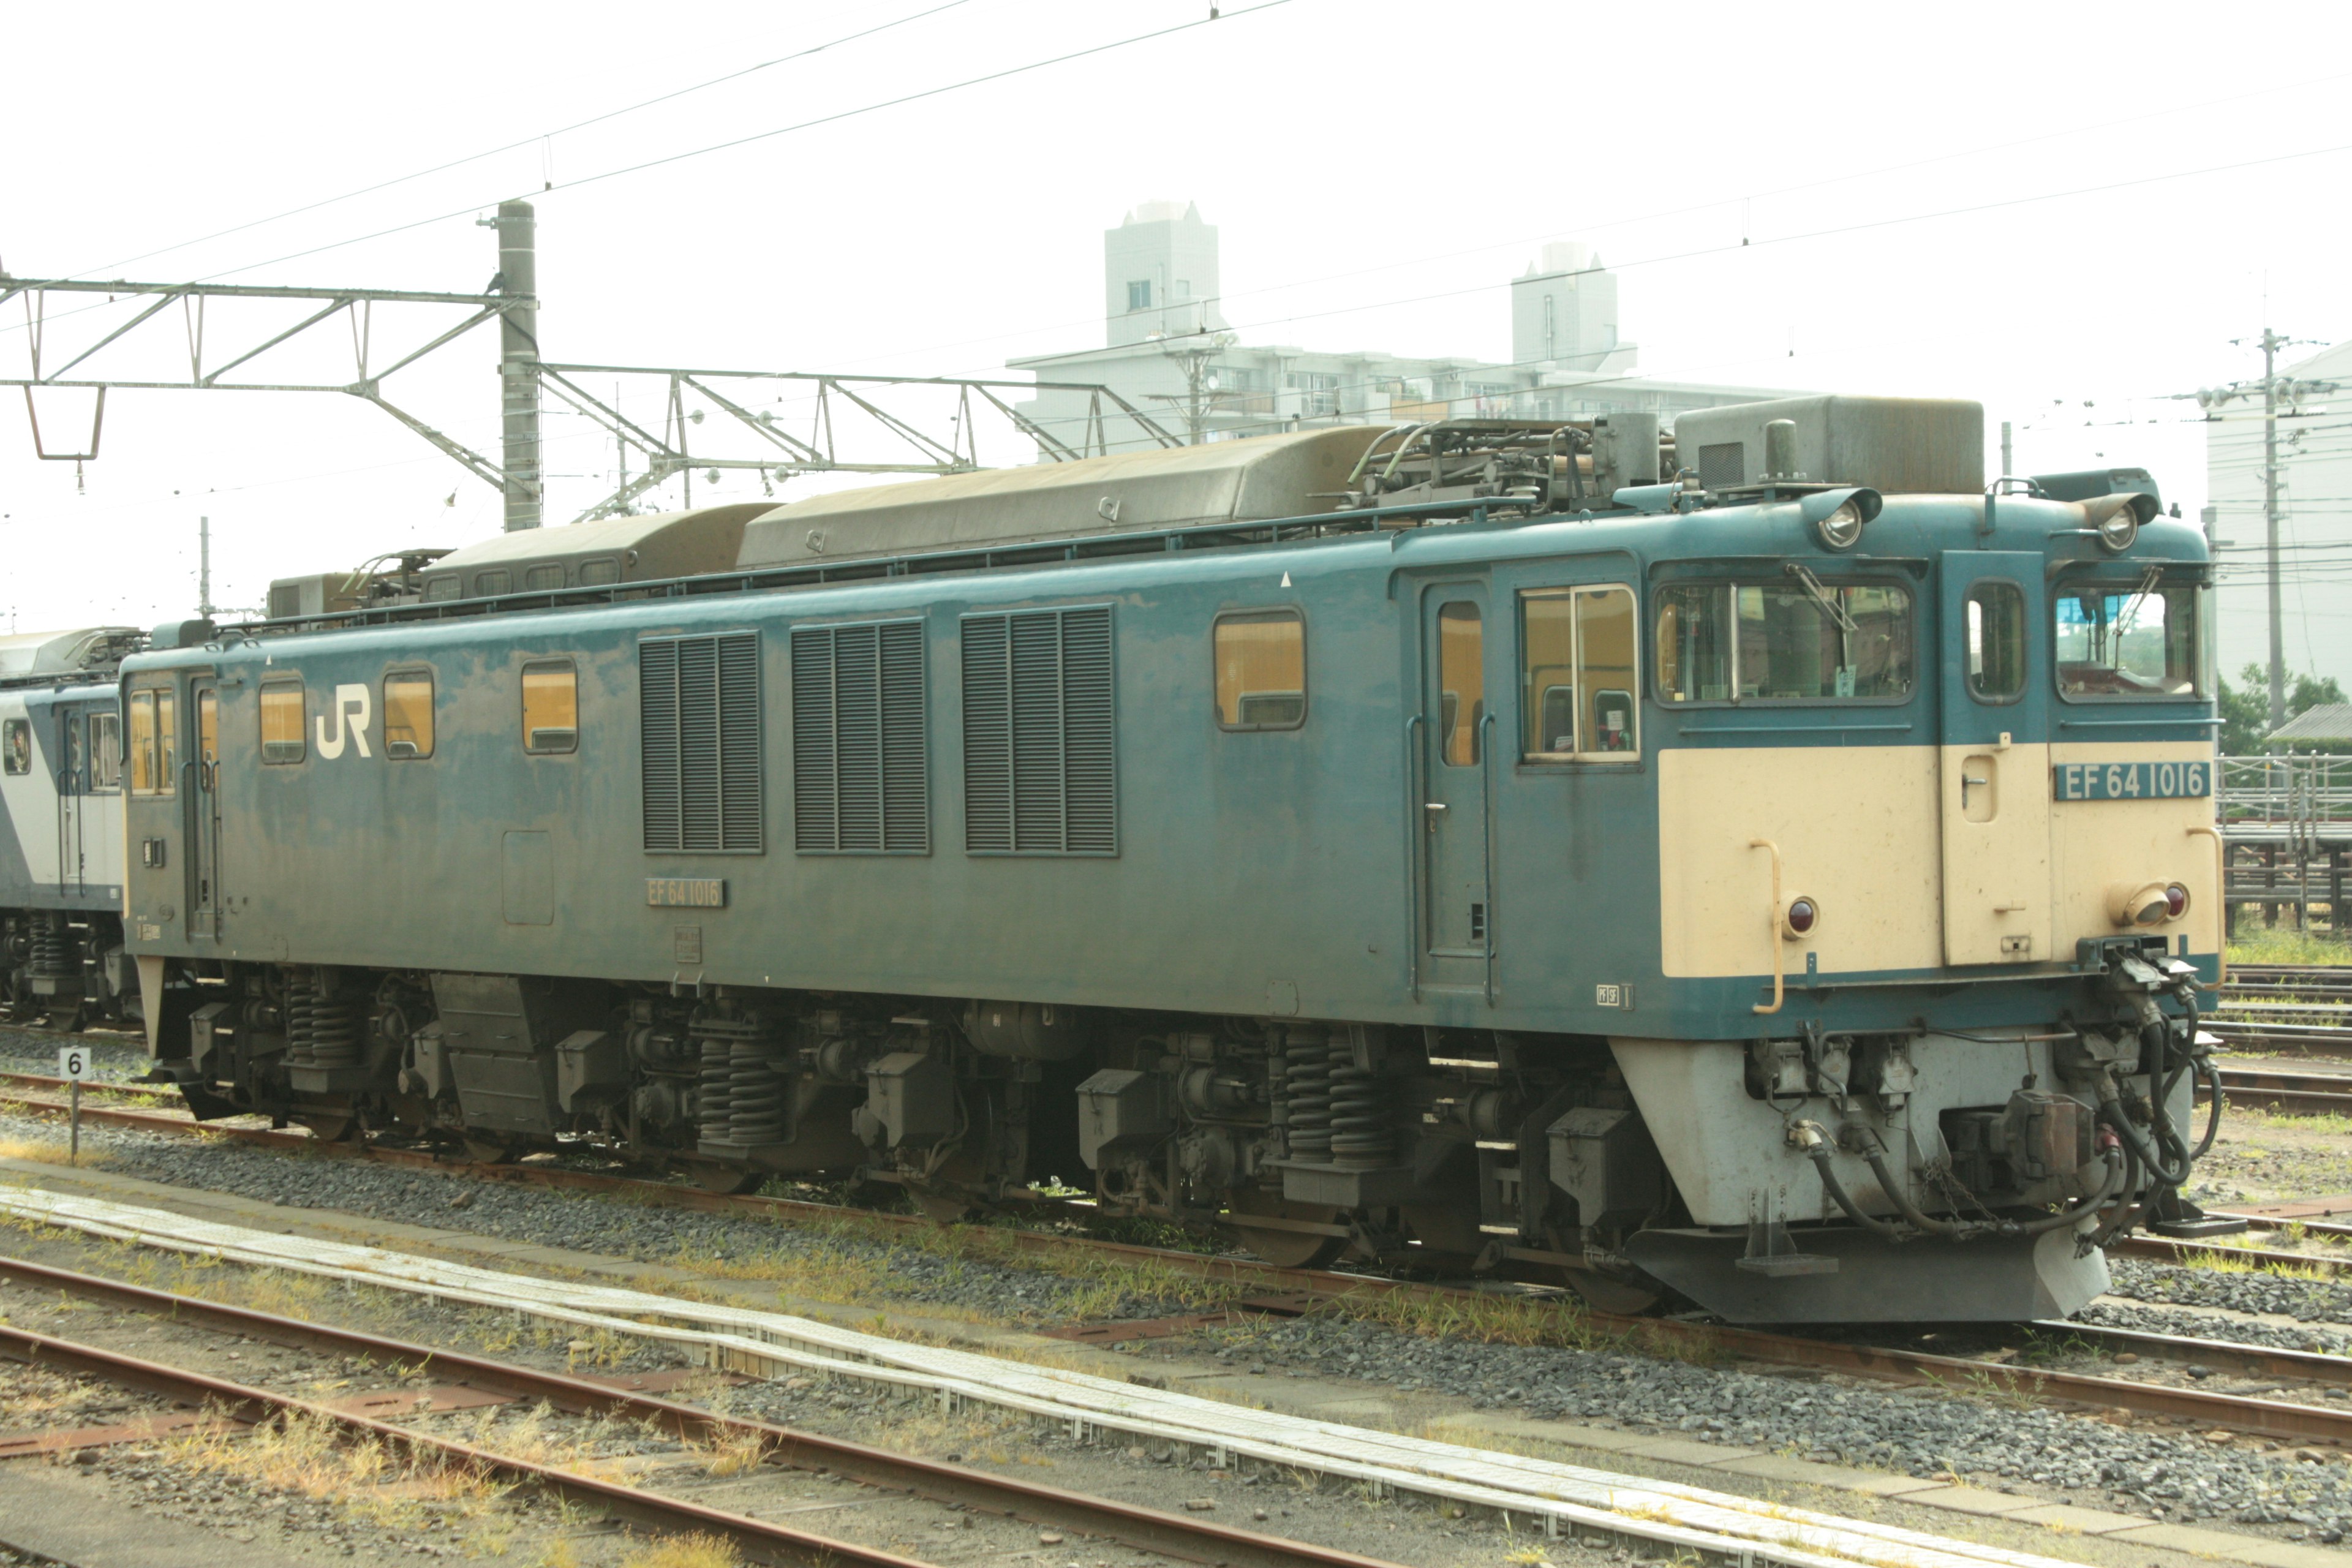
1993 764
1454 764
155 821
203 796
72 783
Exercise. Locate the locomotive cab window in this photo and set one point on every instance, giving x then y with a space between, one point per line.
1995 630
282 722
1795 639
551 707
155 742
1462 682
106 750
1261 670
1577 652
2139 639
408 714
16 746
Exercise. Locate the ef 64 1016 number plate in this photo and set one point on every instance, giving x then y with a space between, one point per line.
2131 780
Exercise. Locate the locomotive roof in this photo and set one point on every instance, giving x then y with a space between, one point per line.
656 544
38 653
1256 480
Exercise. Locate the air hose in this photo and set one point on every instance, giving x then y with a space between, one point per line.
1815 1141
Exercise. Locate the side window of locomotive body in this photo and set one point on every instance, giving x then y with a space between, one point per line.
1261 672
282 722
16 746
1462 682
106 752
155 742
408 714
551 707
492 583
2132 641
542 578
600 572
443 589
1794 641
1576 674
1995 633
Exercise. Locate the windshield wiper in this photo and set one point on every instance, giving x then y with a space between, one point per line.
1821 600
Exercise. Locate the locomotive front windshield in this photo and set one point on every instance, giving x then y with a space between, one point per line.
1800 640
2132 639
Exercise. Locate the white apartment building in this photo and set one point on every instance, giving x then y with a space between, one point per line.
1168 350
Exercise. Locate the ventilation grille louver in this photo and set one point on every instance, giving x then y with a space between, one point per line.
860 757
1040 741
699 711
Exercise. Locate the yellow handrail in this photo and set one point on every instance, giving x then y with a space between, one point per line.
1773 923
2220 904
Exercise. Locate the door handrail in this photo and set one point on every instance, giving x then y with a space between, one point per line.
1414 831
2220 904
1486 840
1773 927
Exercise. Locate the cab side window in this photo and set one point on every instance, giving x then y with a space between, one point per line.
282 722
155 742
1577 676
1261 670
1996 633
408 714
16 745
106 750
551 707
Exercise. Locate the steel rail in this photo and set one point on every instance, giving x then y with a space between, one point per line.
1143 1529
2291 1094
2269 1418
767 1543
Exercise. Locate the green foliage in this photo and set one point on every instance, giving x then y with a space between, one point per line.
2245 710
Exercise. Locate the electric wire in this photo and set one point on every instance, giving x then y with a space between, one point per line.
527 140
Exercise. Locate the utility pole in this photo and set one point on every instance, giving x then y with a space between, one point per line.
2006 466
204 605
519 360
2271 342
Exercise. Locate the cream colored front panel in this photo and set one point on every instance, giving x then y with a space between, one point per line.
1857 830
2098 844
1996 854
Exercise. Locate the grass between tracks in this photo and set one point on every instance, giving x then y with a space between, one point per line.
2289 947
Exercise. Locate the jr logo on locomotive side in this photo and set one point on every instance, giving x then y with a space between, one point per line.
354 703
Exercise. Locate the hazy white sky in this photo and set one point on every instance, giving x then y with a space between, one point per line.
2065 211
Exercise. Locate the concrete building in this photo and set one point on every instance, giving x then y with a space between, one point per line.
2315 460
1168 351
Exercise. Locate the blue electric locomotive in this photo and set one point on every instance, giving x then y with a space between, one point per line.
1791 895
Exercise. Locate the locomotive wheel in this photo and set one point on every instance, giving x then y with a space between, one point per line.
946 1207
725 1179
330 1126
1285 1248
1443 1228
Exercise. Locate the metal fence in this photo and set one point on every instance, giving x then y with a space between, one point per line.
2286 790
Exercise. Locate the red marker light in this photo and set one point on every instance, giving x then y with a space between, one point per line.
2175 901
1801 915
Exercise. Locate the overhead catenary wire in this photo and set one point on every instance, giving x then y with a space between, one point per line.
599 118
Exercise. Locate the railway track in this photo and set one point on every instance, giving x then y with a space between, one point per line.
1282 1289
1141 1529
2289 1093
2286 1008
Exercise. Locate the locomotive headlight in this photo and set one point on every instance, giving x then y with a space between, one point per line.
2114 521
1838 517
1800 916
2118 531
2143 904
1841 529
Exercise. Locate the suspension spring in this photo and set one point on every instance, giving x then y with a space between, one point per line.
1308 1076
301 1013
1360 1134
715 1095
52 955
756 1112
334 1026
